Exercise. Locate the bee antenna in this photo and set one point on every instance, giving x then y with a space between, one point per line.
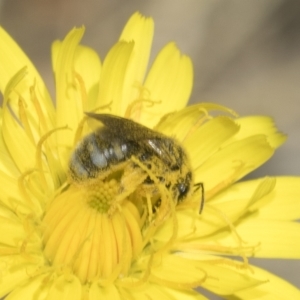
198 186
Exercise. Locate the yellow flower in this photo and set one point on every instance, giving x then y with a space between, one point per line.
114 238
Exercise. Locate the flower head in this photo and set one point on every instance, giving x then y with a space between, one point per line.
93 207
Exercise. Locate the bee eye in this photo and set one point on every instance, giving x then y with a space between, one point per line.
183 190
181 187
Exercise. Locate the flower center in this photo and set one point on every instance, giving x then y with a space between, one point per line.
80 235
101 196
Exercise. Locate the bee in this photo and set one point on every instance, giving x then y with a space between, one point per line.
113 145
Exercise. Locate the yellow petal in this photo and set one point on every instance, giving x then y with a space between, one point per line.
209 107
7 165
201 226
113 75
217 276
10 194
206 141
252 125
12 60
88 66
68 97
275 239
66 287
169 83
154 291
225 281
175 271
234 208
274 289
182 295
255 192
266 238
183 123
140 30
34 288
284 201
179 124
233 162
14 276
18 143
12 230
109 292
227 207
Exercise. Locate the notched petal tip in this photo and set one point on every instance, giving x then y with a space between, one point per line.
169 83
252 125
139 30
136 25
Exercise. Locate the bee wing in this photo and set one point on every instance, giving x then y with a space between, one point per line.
103 124
121 128
155 145
166 149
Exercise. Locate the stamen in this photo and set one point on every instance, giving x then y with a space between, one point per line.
238 238
218 107
131 282
82 87
102 107
225 183
33 185
204 118
79 130
38 155
24 119
230 262
13 82
143 91
136 105
21 185
184 246
38 108
167 207
23 247
84 95
180 285
142 97
124 242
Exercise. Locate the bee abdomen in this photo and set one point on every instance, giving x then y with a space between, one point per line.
91 157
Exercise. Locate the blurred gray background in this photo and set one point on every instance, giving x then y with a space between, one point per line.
246 56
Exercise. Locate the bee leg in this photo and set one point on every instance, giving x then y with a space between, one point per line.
131 179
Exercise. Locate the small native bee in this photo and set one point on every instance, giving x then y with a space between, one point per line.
117 141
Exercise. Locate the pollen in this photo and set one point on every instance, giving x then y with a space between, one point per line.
101 195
